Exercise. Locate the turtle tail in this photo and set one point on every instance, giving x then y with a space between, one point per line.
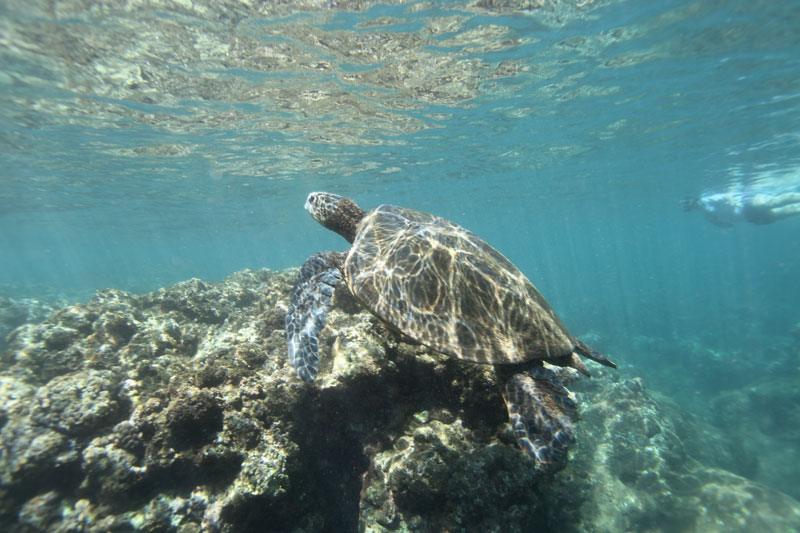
542 414
585 351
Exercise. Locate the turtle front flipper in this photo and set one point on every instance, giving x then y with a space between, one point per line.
542 414
305 317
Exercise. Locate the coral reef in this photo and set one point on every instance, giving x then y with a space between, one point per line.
745 398
766 416
629 452
17 311
176 411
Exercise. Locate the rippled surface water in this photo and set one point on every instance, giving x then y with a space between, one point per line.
146 142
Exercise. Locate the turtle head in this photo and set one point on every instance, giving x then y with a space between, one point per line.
335 212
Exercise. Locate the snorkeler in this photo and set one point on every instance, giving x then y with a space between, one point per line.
757 207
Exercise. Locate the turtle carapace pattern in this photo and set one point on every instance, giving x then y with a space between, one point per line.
443 286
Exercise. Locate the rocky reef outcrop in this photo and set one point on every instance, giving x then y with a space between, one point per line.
15 312
748 394
176 411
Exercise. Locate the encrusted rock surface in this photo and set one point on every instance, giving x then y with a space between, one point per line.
17 311
176 411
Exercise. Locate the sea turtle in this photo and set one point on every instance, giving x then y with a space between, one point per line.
443 286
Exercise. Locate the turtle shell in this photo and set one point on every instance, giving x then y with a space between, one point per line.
445 287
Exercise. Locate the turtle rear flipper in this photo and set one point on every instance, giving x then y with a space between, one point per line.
305 317
542 414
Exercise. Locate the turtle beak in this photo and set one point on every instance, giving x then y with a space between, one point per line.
310 203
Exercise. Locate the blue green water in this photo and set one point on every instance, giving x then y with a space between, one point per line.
142 145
